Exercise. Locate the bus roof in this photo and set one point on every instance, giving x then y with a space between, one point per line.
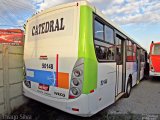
84 2
61 6
156 43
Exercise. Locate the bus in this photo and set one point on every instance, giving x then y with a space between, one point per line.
154 59
78 61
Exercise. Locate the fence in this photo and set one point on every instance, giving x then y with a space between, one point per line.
11 77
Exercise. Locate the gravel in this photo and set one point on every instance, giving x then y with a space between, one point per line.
143 104
144 99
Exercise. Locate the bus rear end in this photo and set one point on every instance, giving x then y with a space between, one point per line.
54 73
155 59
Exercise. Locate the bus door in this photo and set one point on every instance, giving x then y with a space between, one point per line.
138 64
120 57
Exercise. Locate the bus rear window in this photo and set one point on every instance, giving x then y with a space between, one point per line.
156 50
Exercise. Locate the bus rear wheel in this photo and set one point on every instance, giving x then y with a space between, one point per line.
128 89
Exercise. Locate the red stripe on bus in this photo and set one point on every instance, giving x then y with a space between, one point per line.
57 70
43 56
75 109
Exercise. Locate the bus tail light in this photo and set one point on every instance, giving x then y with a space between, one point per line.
151 66
91 91
77 72
76 79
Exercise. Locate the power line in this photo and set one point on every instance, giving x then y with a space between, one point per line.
11 13
23 5
12 25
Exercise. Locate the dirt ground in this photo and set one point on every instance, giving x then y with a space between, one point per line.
143 104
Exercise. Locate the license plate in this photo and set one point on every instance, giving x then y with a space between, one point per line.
43 87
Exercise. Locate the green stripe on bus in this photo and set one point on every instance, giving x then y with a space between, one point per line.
86 49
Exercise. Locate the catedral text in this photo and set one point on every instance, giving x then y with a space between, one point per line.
49 26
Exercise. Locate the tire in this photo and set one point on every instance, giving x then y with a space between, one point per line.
128 89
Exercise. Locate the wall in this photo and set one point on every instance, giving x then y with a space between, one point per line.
11 77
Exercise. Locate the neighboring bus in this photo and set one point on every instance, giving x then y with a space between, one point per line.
154 59
78 61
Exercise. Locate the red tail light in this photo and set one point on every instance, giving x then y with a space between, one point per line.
71 97
76 80
151 66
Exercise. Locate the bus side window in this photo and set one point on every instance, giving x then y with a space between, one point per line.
118 51
105 52
98 52
118 56
109 38
130 49
98 30
142 56
134 52
104 42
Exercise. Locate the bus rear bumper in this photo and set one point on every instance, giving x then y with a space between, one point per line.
154 73
78 106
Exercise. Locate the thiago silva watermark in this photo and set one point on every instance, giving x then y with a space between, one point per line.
16 117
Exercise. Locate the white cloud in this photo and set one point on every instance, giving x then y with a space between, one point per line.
48 3
11 11
118 1
20 22
121 11
96 1
134 11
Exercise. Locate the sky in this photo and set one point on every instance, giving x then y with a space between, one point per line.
138 18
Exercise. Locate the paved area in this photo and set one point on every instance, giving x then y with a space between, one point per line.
144 99
143 104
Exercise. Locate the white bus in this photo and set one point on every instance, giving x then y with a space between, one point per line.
78 61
